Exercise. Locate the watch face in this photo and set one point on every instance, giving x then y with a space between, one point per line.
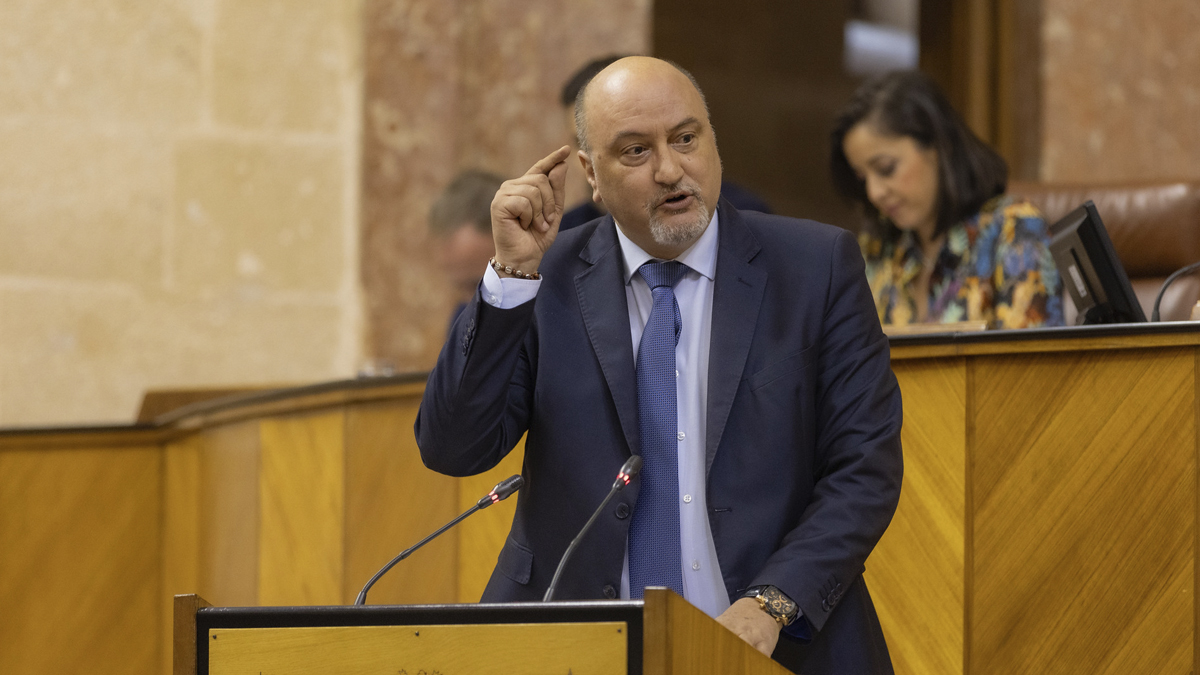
777 604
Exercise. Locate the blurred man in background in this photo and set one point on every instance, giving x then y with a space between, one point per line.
461 223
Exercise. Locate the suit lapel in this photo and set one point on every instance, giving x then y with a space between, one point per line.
601 291
737 297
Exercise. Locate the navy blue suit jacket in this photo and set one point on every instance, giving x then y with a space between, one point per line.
803 423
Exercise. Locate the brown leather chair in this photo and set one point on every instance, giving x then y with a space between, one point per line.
1154 227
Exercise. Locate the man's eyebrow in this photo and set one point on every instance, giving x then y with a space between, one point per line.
634 134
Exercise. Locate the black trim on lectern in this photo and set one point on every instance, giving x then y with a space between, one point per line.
629 612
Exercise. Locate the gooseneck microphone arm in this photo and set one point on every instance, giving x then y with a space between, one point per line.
630 469
502 491
1154 316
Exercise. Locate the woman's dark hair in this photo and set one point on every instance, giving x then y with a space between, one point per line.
908 103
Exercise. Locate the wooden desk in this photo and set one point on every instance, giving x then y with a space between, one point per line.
1047 522
1048 517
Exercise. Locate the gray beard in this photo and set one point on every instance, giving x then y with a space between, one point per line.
682 233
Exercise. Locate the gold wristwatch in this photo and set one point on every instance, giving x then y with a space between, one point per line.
774 602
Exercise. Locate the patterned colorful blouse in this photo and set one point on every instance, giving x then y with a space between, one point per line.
995 267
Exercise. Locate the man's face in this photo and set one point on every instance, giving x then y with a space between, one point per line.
654 161
463 255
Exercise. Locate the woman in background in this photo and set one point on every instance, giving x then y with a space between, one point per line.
943 243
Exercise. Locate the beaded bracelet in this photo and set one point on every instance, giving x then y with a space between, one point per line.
516 273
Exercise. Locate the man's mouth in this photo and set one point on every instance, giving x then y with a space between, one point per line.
676 200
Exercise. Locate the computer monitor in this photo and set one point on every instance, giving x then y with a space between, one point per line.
1090 269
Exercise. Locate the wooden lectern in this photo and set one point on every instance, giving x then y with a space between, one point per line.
658 636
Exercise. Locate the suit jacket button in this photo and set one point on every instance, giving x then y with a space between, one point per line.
609 591
622 510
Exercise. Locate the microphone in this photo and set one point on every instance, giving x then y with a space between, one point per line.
503 490
1154 316
628 470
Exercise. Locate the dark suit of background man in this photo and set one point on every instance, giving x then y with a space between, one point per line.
789 416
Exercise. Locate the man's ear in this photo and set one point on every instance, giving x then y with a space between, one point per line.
589 171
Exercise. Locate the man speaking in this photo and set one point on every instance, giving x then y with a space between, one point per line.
738 353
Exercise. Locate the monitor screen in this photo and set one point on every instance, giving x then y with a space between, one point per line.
1090 269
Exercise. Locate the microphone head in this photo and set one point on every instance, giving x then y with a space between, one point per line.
629 469
505 488
502 491
632 466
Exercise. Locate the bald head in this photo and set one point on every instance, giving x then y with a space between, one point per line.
617 79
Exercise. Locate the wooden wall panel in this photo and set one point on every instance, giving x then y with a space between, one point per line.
181 529
915 574
482 535
392 502
79 560
986 56
1084 522
302 492
229 500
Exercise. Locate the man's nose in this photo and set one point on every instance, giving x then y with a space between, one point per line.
669 169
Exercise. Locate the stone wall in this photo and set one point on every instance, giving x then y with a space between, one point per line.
1121 90
179 199
206 193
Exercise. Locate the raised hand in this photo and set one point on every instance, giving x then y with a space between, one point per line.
526 212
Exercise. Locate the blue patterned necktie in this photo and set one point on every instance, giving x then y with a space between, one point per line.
654 557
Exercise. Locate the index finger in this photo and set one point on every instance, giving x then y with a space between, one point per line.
551 160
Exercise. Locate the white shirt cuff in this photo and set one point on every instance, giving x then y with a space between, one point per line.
508 292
